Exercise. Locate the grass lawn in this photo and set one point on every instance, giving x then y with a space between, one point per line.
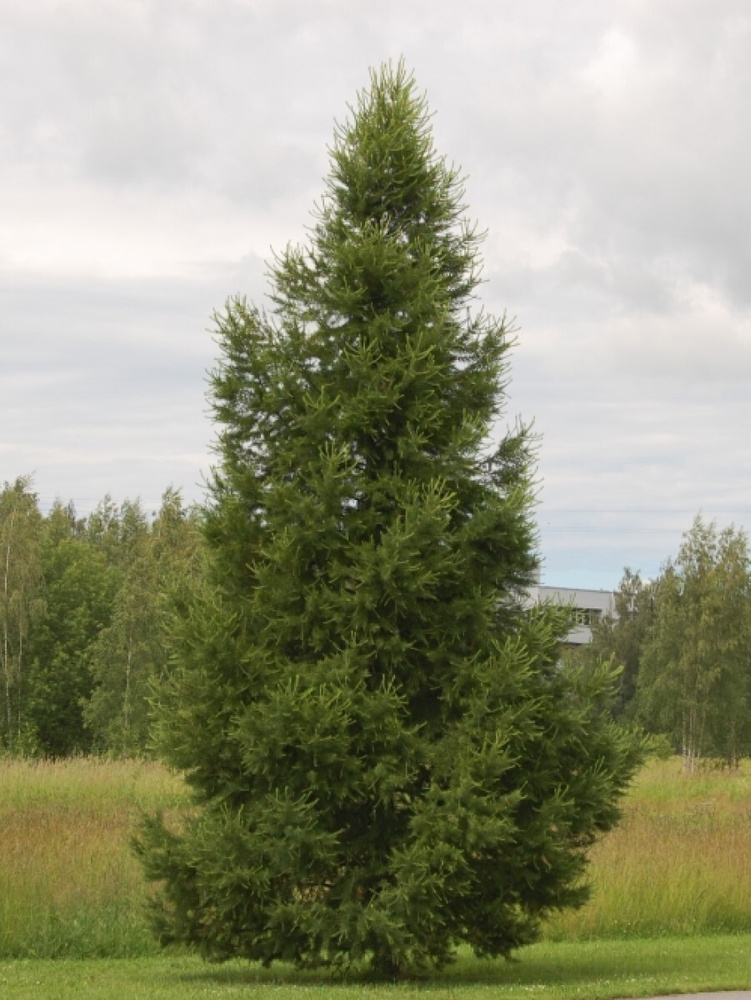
598 970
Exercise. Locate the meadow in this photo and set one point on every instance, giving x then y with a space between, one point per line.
679 863
69 884
674 879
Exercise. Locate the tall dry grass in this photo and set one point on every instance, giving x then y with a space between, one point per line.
679 863
68 882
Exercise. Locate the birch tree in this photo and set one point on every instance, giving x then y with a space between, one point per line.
695 675
620 638
80 585
21 598
158 561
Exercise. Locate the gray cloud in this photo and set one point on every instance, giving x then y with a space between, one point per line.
155 152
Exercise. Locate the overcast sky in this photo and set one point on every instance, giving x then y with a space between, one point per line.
154 153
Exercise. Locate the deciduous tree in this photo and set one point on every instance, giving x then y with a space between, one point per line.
80 587
695 675
620 638
131 651
21 598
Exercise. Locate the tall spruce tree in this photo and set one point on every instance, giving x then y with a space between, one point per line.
387 759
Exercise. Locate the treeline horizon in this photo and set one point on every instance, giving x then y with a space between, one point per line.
86 604
683 643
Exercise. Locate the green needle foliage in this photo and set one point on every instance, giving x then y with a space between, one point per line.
386 757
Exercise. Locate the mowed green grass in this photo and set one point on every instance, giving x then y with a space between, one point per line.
591 970
670 909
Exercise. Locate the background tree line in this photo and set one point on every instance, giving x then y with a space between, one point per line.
84 604
683 642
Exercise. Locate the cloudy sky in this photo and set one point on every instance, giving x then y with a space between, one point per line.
154 153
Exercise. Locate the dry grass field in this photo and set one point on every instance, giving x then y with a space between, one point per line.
679 863
68 882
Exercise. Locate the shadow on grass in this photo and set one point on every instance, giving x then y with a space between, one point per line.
540 966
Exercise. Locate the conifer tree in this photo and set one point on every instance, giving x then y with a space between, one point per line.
386 757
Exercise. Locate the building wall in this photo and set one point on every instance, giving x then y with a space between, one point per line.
589 604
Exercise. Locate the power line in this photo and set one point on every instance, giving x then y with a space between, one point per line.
645 510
